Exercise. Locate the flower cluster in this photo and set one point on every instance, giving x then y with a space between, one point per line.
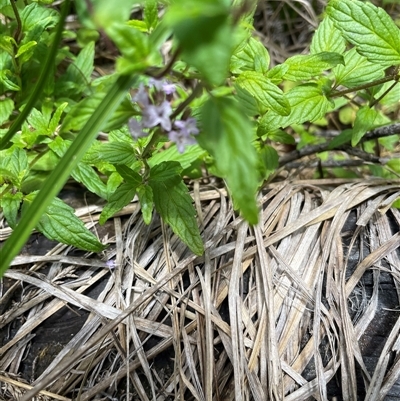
157 113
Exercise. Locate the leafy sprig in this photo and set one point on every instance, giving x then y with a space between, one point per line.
213 102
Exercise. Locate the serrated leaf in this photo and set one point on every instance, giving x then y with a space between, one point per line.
78 74
89 178
82 111
115 153
369 28
59 223
167 171
6 108
119 199
16 162
277 73
35 19
82 173
247 101
204 33
150 14
327 38
227 135
11 203
145 195
38 121
55 119
129 175
185 159
302 67
252 57
356 70
174 204
265 92
307 103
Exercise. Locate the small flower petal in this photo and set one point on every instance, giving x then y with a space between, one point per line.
154 115
141 97
135 128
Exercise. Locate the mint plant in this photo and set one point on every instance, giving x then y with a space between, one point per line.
213 100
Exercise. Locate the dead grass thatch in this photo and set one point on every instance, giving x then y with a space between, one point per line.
271 312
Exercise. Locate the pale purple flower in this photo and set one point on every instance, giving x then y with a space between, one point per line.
182 136
135 128
154 115
141 97
162 85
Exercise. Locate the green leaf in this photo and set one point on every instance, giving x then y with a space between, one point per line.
150 16
82 111
25 52
107 13
270 160
174 204
281 137
365 120
253 57
119 199
135 47
11 202
204 34
307 103
55 120
80 71
341 139
6 108
185 159
145 195
303 67
114 153
247 101
82 173
7 44
167 172
277 73
394 164
129 175
327 38
15 161
369 28
7 83
356 70
265 92
227 135
59 223
35 19
89 178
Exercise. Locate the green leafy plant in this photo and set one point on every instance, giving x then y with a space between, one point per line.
212 101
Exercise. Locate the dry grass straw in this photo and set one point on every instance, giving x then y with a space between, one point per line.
263 305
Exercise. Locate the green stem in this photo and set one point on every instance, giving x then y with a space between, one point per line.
62 171
17 34
45 72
